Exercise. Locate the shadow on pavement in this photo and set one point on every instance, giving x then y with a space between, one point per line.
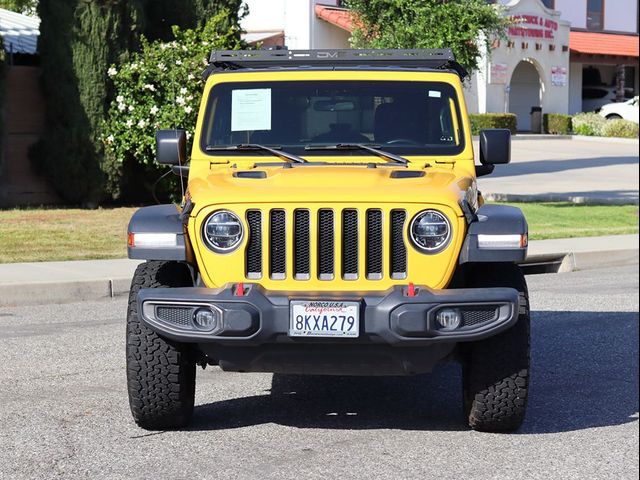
585 374
554 166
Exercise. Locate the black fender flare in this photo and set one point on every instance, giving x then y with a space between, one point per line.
495 220
163 219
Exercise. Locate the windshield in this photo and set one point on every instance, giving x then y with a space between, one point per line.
406 118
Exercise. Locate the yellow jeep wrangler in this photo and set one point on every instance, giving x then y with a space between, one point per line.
331 224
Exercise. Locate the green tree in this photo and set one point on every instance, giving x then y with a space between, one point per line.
79 39
20 6
160 87
462 25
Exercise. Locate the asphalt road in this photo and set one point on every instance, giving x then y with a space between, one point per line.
64 411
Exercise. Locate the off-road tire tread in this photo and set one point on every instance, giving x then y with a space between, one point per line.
160 373
496 370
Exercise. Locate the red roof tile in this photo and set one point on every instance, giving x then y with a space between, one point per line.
603 44
340 17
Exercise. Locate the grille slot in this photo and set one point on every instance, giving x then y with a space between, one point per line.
326 250
398 248
479 315
278 245
350 244
302 245
254 245
180 316
374 244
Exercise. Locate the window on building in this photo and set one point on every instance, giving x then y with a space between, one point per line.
549 4
595 14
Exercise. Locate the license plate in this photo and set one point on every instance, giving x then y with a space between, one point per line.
324 319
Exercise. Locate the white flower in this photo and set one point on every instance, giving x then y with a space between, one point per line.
162 67
178 62
183 91
110 139
142 123
154 110
131 108
112 72
129 123
122 107
150 86
188 135
191 76
164 46
180 100
134 66
119 99
188 109
184 48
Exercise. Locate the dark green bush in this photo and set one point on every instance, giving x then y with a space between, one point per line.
557 123
480 121
2 87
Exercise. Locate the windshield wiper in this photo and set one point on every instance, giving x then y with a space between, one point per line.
361 146
254 146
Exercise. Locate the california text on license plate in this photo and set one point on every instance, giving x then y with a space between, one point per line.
324 319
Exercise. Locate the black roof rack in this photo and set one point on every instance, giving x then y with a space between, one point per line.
436 59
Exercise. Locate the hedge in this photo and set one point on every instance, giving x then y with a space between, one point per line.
620 128
480 121
2 78
557 123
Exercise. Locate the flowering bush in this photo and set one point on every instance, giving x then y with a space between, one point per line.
588 124
621 128
158 88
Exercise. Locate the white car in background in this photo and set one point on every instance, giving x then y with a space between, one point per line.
627 110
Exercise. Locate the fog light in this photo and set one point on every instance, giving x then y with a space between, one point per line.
449 318
207 319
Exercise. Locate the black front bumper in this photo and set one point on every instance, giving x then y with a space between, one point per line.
398 335
393 317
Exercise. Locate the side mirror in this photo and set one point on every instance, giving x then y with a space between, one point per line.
495 146
171 147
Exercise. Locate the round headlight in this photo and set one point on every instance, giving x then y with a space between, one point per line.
222 231
430 231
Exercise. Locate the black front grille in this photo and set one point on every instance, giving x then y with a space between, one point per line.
350 244
278 245
398 248
479 315
385 252
180 316
374 244
326 238
302 245
254 245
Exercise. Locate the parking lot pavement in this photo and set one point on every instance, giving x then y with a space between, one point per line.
64 411
559 169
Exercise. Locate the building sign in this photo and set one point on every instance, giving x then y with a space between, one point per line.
533 26
498 73
559 76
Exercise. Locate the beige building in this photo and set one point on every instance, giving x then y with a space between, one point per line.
562 56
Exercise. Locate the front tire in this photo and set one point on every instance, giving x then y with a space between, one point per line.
496 370
161 375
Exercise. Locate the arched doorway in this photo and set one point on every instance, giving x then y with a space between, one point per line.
525 92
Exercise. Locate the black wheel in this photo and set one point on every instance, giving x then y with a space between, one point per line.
496 370
161 375
614 116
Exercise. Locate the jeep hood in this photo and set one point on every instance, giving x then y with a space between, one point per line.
328 184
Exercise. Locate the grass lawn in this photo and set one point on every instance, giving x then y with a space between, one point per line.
564 220
35 235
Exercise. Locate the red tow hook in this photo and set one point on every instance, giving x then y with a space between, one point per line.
411 290
240 290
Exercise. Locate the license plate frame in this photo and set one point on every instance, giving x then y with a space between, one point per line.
324 319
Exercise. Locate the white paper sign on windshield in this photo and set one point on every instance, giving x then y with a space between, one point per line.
251 109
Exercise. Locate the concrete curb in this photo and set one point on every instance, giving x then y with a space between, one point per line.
39 293
577 199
